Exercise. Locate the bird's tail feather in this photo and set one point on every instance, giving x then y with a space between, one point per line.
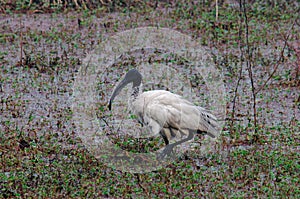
208 123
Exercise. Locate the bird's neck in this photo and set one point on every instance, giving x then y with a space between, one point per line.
136 91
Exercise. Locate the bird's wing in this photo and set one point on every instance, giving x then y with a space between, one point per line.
167 109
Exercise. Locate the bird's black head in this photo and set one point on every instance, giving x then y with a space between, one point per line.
132 76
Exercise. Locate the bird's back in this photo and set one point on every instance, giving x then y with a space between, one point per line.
171 110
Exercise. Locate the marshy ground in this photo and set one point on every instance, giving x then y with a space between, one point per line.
256 46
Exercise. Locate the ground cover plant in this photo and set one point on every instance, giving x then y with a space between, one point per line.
256 46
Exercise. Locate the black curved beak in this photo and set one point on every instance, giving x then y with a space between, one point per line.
132 76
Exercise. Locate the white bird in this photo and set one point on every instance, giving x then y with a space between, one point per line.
166 113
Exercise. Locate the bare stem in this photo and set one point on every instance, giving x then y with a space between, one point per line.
240 72
278 61
217 10
249 68
21 43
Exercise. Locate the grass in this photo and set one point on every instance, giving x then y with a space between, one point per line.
41 155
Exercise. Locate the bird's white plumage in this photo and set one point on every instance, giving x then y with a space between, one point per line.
162 109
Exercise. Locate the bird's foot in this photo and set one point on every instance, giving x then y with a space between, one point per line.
168 150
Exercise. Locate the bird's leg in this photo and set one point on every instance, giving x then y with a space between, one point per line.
172 133
169 148
164 136
141 123
167 133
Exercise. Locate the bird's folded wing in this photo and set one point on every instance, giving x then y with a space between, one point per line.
172 110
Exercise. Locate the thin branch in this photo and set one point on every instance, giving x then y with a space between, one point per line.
249 68
217 10
278 62
240 72
21 43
